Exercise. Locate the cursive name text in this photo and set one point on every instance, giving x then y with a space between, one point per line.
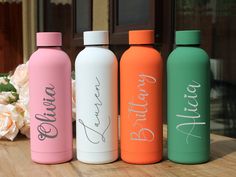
191 113
46 128
139 108
94 133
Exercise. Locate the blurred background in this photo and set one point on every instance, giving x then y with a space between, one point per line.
21 19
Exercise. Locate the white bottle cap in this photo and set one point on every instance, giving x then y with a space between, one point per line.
96 38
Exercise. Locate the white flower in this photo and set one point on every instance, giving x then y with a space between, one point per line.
20 76
11 120
23 110
7 97
20 80
24 94
4 97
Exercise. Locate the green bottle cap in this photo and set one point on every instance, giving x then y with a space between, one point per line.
187 37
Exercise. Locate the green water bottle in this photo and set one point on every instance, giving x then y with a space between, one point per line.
188 100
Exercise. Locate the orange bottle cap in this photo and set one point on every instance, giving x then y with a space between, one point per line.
141 37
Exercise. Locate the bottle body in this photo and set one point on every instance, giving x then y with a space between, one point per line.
50 106
141 105
188 105
96 99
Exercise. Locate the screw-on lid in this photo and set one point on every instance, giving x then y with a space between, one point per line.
96 38
49 39
141 37
187 37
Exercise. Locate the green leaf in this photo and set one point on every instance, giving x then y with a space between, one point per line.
7 87
3 74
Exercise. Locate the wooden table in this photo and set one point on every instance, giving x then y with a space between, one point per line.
15 161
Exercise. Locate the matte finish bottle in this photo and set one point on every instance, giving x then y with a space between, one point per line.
141 100
96 100
188 99
50 101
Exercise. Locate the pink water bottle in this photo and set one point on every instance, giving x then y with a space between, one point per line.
50 101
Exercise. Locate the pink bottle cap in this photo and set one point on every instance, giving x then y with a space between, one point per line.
49 39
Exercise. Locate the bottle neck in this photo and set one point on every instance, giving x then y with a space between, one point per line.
97 46
187 45
49 47
142 45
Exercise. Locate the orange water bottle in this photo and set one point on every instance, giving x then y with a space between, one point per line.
141 100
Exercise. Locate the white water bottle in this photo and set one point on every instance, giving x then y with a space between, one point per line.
96 98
